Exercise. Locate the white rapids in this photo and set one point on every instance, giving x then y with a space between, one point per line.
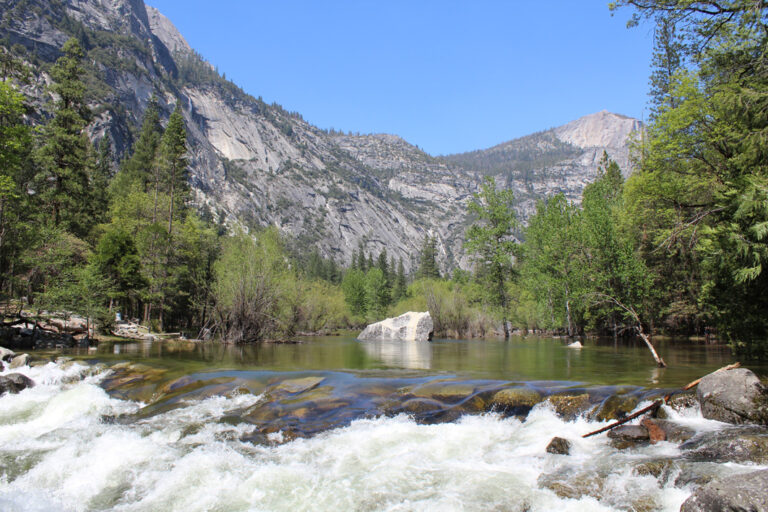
58 453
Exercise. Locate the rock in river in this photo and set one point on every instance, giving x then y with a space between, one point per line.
733 396
410 326
14 382
737 492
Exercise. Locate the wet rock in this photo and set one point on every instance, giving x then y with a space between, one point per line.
18 361
6 354
628 436
734 493
569 407
515 400
733 396
661 469
422 406
655 432
14 382
614 407
447 391
570 484
559 446
674 432
699 473
411 326
737 444
297 385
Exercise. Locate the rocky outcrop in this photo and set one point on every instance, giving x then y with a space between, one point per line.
733 396
733 493
411 326
14 382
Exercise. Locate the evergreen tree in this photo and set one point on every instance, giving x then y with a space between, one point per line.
63 179
139 168
428 259
401 286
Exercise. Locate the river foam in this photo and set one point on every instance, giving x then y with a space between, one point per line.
62 449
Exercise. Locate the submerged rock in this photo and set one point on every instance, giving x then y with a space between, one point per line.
737 492
733 396
411 326
297 385
559 446
14 382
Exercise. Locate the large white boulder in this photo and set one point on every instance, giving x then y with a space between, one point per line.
411 326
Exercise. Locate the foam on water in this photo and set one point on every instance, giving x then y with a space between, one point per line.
59 453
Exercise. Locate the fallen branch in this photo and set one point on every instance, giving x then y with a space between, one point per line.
658 403
653 406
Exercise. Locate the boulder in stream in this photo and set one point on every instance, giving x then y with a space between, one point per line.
6 354
19 361
733 396
411 326
736 492
559 446
14 382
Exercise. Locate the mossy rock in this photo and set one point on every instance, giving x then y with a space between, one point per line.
614 407
515 400
569 407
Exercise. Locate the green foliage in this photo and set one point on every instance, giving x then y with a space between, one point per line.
491 241
64 171
428 268
698 199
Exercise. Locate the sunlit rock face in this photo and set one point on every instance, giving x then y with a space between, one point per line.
255 164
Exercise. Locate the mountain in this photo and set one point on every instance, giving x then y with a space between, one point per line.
256 164
563 159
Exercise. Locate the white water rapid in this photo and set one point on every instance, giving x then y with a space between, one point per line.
60 452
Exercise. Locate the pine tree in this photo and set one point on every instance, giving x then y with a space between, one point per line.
428 259
139 168
63 179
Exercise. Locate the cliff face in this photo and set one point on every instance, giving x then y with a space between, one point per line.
256 164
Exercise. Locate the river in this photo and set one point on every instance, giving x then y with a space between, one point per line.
336 424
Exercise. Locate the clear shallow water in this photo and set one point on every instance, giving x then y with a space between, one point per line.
181 433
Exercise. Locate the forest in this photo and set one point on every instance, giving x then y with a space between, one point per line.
678 248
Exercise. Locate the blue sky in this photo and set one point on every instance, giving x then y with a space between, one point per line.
448 76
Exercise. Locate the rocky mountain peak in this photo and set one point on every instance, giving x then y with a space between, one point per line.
601 129
167 31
